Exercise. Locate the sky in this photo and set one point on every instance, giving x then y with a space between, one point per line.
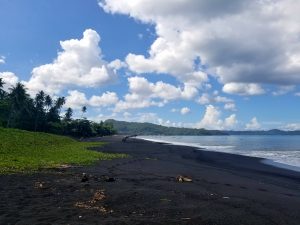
213 64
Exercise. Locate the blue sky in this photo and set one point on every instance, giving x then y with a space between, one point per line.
190 63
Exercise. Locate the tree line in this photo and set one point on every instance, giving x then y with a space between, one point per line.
44 114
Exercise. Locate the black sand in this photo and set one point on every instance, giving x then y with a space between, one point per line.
225 189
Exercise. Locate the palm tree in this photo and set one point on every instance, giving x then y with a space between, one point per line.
48 102
60 102
54 112
68 115
83 110
39 103
18 101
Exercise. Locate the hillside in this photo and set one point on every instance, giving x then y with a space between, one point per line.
131 128
152 129
29 151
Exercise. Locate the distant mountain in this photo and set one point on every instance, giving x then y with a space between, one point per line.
152 129
263 132
129 128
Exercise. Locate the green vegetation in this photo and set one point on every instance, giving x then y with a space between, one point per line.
153 129
23 151
42 113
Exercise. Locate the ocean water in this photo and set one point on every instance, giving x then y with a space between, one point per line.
278 150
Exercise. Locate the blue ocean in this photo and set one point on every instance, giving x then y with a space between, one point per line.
278 150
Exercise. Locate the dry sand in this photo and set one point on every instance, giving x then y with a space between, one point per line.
143 189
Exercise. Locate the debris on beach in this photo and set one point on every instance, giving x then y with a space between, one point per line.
182 179
127 137
186 218
108 179
95 203
84 177
40 185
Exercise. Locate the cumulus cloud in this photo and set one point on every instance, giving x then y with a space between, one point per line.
144 94
212 119
165 91
243 89
79 64
117 64
9 79
185 110
77 99
106 99
253 124
282 90
240 42
230 121
2 59
150 117
292 126
205 99
230 106
134 101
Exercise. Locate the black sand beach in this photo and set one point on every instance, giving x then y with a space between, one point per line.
143 189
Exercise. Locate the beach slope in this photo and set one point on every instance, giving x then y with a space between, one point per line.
145 188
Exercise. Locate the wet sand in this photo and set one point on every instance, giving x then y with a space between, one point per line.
143 189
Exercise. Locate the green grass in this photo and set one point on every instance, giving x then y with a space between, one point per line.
23 151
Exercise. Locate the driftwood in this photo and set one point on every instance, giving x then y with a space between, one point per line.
127 137
182 179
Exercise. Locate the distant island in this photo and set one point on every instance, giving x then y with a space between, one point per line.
127 128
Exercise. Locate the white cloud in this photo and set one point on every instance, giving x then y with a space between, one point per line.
77 99
134 101
205 99
117 64
106 99
165 91
297 94
143 93
150 117
127 115
243 89
292 126
230 121
79 64
9 79
282 90
230 106
253 124
2 59
240 42
185 110
212 120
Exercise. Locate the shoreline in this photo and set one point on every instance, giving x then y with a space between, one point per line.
225 190
267 161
